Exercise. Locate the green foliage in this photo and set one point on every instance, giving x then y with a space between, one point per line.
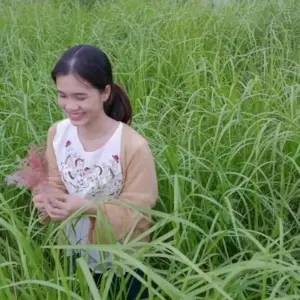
215 89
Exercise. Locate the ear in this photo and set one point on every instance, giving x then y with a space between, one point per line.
107 92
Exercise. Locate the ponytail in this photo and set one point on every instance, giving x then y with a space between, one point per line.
118 106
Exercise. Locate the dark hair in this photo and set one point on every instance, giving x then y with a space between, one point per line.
93 65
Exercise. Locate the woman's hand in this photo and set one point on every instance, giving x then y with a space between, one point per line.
61 207
39 202
41 199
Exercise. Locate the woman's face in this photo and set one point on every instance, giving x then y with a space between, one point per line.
82 103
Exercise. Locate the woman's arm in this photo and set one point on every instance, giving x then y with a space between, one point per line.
140 189
54 178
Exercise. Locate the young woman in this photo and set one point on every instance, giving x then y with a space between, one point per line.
94 154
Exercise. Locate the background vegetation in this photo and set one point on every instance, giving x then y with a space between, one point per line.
215 89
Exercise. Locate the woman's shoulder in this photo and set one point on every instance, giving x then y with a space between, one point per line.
134 146
132 138
57 126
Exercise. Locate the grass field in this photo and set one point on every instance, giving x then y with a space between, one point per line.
215 89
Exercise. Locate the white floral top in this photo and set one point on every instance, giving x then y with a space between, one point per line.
88 175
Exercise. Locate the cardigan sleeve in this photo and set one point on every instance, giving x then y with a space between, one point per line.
54 178
140 189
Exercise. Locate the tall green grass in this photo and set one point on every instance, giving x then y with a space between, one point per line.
215 89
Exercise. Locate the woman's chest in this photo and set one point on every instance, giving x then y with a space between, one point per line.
91 176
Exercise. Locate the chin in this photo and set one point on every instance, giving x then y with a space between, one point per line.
78 121
82 122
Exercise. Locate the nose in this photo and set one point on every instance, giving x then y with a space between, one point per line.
71 106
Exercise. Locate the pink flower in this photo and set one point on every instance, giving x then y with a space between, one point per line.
33 174
33 171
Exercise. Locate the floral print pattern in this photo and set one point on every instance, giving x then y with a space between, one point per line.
90 181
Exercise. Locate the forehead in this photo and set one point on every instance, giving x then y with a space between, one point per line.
72 84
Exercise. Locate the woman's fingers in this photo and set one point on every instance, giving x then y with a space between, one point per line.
37 199
58 204
39 203
55 212
52 204
53 195
59 196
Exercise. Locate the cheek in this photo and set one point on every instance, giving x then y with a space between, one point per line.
68 104
61 102
93 105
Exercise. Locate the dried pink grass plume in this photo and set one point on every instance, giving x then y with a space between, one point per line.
33 171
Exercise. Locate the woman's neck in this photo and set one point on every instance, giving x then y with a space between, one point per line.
97 129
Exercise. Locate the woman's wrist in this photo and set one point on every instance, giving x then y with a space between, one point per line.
91 209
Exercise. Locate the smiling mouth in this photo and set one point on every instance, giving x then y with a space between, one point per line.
75 116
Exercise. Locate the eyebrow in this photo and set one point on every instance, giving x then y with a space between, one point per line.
77 94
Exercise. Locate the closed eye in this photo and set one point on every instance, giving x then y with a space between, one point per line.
62 95
77 96
80 98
